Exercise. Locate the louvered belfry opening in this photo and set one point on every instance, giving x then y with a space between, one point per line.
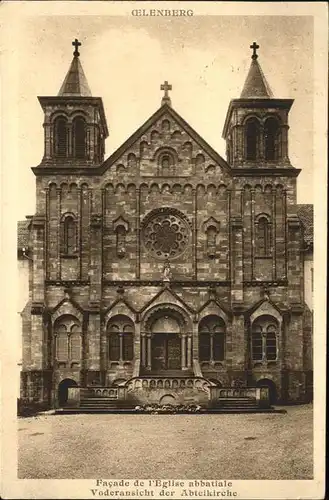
61 141
79 137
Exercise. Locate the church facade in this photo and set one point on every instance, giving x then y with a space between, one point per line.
165 259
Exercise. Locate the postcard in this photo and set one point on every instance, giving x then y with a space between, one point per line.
163 211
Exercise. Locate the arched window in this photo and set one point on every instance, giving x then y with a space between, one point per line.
67 333
79 138
121 241
212 339
264 339
257 343
121 339
60 137
114 343
263 236
271 343
271 139
166 164
69 235
211 241
251 138
75 343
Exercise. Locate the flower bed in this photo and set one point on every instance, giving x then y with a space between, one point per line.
155 409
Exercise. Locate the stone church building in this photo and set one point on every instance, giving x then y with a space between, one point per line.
165 259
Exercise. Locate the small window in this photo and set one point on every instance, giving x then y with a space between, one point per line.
166 164
69 235
263 237
211 241
121 241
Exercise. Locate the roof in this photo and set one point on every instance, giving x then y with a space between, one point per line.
256 86
23 233
305 214
75 82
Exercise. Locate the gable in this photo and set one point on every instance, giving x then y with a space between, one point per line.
166 146
165 296
266 308
67 306
212 307
120 307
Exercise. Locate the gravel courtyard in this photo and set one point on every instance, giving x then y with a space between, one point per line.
255 446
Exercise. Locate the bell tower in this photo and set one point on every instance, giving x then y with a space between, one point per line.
75 126
256 125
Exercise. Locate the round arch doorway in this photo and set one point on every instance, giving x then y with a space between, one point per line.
266 382
166 344
63 390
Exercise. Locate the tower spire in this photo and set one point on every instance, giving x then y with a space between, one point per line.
75 82
256 86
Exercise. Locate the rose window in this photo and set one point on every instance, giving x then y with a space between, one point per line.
166 235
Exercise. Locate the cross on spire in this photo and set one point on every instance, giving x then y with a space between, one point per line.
166 87
76 45
254 48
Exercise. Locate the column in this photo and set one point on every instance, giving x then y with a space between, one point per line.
211 348
143 349
94 340
183 349
195 334
59 236
121 345
137 341
149 361
189 351
137 233
95 259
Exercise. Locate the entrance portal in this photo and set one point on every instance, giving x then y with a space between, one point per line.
166 351
63 392
166 344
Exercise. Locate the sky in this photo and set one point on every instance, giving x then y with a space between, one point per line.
125 59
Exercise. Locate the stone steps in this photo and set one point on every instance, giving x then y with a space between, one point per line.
236 404
132 411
